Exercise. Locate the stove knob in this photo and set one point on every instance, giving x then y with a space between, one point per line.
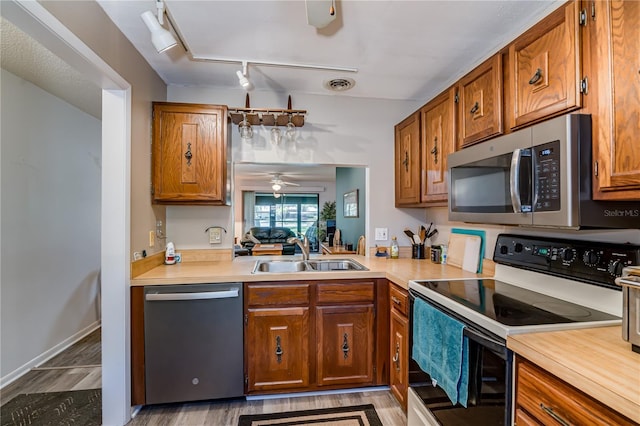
568 255
504 249
591 258
615 268
518 247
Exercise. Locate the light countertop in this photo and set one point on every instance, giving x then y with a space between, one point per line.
597 361
399 271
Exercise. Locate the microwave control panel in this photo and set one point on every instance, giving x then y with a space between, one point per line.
546 159
588 261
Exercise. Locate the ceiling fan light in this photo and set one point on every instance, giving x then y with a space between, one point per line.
276 187
161 38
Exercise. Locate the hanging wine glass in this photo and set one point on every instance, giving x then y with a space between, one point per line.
245 128
291 130
276 134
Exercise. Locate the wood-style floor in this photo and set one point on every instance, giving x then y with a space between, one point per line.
78 368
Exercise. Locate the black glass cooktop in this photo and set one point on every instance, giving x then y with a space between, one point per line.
513 306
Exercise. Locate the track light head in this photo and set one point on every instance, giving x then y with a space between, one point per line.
242 77
162 39
244 81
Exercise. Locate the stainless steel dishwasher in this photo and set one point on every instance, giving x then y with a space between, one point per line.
193 342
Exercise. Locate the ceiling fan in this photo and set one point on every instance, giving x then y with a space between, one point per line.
277 183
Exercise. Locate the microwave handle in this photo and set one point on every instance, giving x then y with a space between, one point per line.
514 180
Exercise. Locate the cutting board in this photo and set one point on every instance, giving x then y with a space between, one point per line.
464 251
477 232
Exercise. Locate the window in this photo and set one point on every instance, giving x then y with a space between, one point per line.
298 212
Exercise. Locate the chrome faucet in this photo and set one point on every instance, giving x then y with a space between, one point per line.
304 246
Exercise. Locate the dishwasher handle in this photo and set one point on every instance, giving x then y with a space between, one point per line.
226 294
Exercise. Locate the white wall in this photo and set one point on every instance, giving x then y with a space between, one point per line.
339 130
50 189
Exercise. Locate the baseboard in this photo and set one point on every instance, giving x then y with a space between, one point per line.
316 393
47 355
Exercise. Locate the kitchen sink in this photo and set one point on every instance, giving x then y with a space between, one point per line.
313 265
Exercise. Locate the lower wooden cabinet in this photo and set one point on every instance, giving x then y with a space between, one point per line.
302 336
542 398
399 343
345 344
279 344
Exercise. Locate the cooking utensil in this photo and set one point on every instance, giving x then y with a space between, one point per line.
432 233
422 232
416 239
409 234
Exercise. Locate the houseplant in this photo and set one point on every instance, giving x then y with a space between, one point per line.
328 212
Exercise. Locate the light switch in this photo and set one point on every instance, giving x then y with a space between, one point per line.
215 235
382 234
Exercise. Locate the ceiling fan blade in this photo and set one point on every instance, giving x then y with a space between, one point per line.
291 183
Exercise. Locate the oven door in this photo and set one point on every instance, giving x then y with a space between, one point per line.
490 381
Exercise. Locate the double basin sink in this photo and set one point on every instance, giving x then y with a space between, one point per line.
311 265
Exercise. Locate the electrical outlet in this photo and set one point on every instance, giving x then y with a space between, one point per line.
152 238
215 235
382 234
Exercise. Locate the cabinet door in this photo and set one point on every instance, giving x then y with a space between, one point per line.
345 344
480 102
407 162
438 130
277 348
189 153
613 28
546 67
399 357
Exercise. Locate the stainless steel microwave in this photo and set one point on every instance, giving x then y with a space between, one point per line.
537 176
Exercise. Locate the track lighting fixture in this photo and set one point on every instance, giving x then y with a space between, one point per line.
242 76
161 38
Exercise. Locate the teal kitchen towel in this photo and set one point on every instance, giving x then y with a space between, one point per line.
442 350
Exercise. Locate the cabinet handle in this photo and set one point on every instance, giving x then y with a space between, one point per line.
345 345
396 300
279 350
536 77
475 108
552 413
406 161
396 357
434 151
188 155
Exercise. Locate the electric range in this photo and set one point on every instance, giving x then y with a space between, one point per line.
540 284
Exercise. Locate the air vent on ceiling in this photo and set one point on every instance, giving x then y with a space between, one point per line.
340 84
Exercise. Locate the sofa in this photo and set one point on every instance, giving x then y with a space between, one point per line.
268 235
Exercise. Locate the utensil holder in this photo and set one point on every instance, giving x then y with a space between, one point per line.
417 251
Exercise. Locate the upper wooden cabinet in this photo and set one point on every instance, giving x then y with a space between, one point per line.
189 154
438 119
611 46
407 161
545 63
480 102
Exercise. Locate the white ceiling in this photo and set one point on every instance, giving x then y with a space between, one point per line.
407 50
29 60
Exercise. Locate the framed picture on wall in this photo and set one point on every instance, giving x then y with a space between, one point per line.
350 200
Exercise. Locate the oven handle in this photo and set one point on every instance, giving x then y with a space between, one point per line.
493 344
